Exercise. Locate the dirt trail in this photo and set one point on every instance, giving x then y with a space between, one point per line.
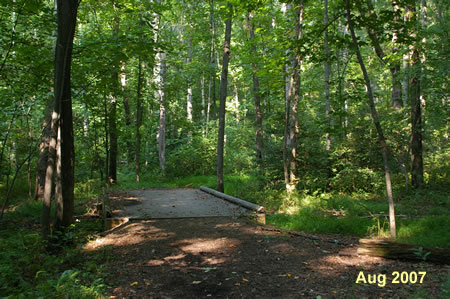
229 257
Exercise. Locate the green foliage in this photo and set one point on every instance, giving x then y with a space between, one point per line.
31 269
354 179
193 157
426 231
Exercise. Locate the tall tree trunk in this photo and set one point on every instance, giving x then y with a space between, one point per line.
202 87
381 138
41 167
162 113
223 97
257 98
414 92
326 67
208 106
396 96
68 20
127 110
287 105
139 109
212 78
113 150
294 96
138 121
105 124
189 109
62 120
113 147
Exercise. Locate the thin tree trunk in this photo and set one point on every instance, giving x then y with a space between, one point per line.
417 180
286 141
326 67
139 110
59 203
189 109
294 95
257 99
127 110
162 113
106 121
202 87
208 108
113 150
394 65
287 105
414 93
212 78
138 121
43 152
45 219
223 96
373 111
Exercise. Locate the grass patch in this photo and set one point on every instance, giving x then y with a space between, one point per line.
308 220
431 231
350 215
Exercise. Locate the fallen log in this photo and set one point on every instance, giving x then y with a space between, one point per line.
392 250
235 200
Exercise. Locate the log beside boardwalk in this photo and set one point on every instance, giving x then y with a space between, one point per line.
233 199
392 250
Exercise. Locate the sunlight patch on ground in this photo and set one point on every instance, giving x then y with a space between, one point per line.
197 246
327 263
131 234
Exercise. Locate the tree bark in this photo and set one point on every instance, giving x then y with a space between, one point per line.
162 113
68 20
376 121
113 150
212 78
257 98
202 87
62 120
417 180
414 93
113 147
189 89
326 67
294 96
223 96
41 167
127 110
393 250
138 121
287 105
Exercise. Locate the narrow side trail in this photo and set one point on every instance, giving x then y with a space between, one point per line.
232 257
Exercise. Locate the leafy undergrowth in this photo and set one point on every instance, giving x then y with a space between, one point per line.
30 268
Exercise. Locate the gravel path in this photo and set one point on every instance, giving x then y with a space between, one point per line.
173 203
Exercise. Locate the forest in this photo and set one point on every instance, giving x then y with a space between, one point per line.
333 115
